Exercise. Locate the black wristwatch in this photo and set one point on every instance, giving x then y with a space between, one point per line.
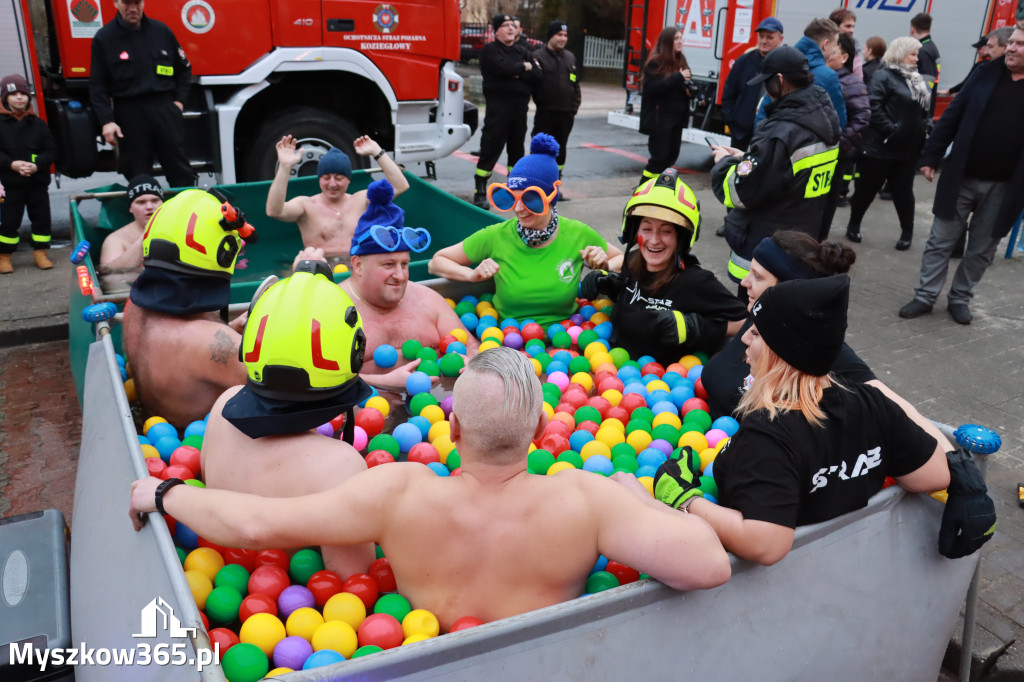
382 153
162 489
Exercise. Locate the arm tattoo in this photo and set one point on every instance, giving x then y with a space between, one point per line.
223 348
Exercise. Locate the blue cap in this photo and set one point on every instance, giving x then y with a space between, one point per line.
539 168
335 161
770 24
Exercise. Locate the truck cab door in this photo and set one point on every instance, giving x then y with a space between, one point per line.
703 25
296 23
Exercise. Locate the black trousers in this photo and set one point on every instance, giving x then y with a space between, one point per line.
872 174
152 128
663 148
504 128
36 199
557 124
844 168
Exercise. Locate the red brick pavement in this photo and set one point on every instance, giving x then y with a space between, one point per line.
40 430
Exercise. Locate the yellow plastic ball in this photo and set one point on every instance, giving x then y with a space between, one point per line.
592 348
612 395
610 436
438 429
303 622
347 608
531 448
380 404
443 445
689 361
670 418
658 385
639 440
482 307
560 465
206 560
548 410
583 379
598 318
707 456
695 439
149 451
493 333
721 444
460 334
595 447
277 671
129 390
412 639
432 413
200 585
420 622
647 482
337 635
601 357
150 422
613 423
940 495
538 368
488 345
450 302
340 267
263 630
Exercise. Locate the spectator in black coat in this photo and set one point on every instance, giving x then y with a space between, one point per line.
739 100
874 48
666 88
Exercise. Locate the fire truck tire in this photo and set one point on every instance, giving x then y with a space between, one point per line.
316 130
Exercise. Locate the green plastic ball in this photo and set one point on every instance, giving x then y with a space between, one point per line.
378 551
708 486
489 297
464 307
699 419
702 356
430 368
579 364
625 463
644 414
620 356
587 414
195 483
572 457
410 348
454 460
234 576
599 581
366 650
181 555
393 604
586 337
304 564
244 662
194 441
638 425
451 364
666 432
222 604
426 353
623 450
384 441
419 401
632 363
536 343
544 359
539 461
561 340
551 392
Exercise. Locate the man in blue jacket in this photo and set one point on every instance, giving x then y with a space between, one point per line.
974 193
739 100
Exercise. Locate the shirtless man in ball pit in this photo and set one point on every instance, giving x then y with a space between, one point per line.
495 541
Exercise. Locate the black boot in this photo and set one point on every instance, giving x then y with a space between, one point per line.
904 241
853 232
480 194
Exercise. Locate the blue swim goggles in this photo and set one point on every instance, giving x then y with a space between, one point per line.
392 238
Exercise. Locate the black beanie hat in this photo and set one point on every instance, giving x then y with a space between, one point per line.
556 26
499 20
144 184
803 321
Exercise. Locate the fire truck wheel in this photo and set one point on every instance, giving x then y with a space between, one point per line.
316 130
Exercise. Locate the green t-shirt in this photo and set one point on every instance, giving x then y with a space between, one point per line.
535 283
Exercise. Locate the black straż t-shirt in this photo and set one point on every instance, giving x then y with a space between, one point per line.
790 473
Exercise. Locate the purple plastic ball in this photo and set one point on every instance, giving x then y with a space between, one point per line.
513 340
294 597
292 652
661 444
577 319
326 430
446 405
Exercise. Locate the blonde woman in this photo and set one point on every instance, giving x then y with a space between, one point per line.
809 448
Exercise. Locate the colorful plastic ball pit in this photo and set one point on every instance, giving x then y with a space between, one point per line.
385 356
321 658
381 629
599 581
335 635
244 662
262 630
292 652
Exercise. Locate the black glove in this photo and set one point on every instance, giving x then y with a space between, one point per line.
678 480
600 282
673 328
969 519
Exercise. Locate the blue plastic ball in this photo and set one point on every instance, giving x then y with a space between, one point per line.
579 438
628 374
645 360
144 441
647 471
556 366
159 430
322 658
470 320
489 321
563 356
657 396
124 373
680 394
186 537
421 423
469 298
663 406
637 388
602 563
711 498
672 379
385 356
651 457
407 436
165 445
120 359
588 311
599 464
439 469
554 329
509 322
373 392
604 330
727 424
648 378
709 470
455 347
695 372
418 382
196 428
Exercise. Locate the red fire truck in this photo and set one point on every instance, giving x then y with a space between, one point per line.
325 71
716 32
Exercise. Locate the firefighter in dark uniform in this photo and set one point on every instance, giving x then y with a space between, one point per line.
138 83
557 94
783 180
509 72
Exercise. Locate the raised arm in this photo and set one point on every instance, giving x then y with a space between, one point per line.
277 207
452 263
365 146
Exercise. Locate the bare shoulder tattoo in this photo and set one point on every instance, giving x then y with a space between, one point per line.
223 348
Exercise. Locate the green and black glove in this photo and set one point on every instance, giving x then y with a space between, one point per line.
969 520
678 480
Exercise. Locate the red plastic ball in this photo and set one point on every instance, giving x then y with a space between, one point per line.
554 443
589 426
613 384
698 389
379 457
654 368
246 558
364 587
510 330
206 621
456 472
324 585
445 340
624 573
600 404
224 638
277 557
337 423
424 453
531 331
371 420
558 428
566 324
381 629
380 571
203 542
565 407
631 401
155 466
694 404
465 623
576 399
187 456
587 326
269 580
256 603
177 471
171 522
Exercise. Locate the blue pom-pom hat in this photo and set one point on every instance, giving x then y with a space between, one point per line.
381 212
539 168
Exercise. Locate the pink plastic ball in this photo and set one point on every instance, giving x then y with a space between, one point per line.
574 332
560 379
715 435
359 440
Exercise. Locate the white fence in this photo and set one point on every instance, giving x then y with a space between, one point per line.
602 53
